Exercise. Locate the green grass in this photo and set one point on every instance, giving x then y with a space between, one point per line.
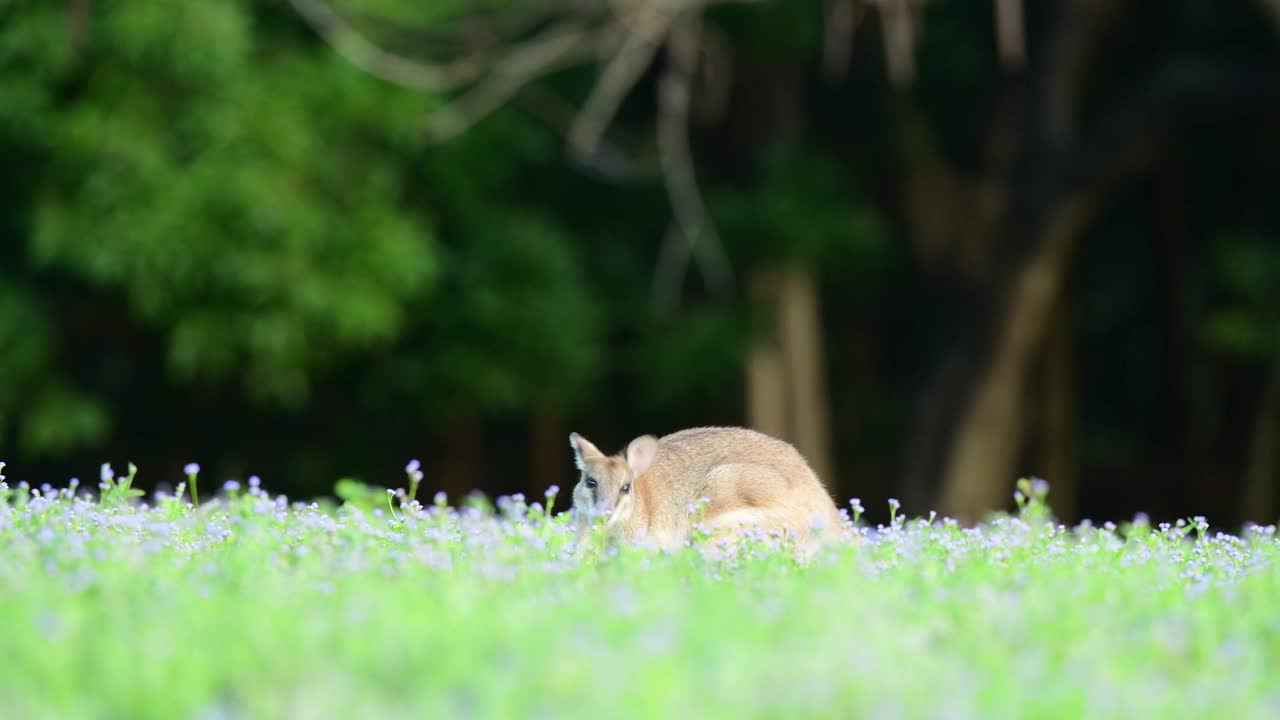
254 607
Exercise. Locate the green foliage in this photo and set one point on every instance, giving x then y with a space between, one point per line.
118 490
271 215
802 207
1030 498
357 494
243 198
512 324
773 31
61 419
686 360
210 197
56 416
1248 268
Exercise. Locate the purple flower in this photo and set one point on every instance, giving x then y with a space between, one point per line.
231 486
191 469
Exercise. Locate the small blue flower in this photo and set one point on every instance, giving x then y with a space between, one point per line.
191 469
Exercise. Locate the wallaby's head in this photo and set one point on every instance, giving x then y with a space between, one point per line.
606 482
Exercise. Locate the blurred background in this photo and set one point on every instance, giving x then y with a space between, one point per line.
938 245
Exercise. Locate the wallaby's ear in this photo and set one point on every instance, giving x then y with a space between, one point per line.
582 448
640 453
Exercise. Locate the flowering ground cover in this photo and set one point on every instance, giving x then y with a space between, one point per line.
116 605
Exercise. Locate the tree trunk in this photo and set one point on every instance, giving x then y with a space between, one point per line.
766 371
801 330
1012 240
953 220
786 377
1000 241
1176 439
1060 444
1264 454
981 468
462 460
548 451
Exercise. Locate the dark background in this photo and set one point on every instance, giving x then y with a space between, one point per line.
961 243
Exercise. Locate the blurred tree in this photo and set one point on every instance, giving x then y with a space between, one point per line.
800 214
1062 138
694 53
264 211
234 196
1247 326
249 210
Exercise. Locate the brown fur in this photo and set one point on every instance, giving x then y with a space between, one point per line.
751 479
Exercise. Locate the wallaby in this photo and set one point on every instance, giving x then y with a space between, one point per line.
751 480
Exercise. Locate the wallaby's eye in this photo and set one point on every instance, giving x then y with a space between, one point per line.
626 488
591 482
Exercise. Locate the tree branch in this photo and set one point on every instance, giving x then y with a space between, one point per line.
842 20
1009 33
78 12
677 166
562 46
609 162
1070 51
898 20
393 68
1272 7
479 32
714 73
643 38
931 188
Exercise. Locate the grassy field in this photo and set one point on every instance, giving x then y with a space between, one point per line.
252 606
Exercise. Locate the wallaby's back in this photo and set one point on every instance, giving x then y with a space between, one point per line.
750 478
